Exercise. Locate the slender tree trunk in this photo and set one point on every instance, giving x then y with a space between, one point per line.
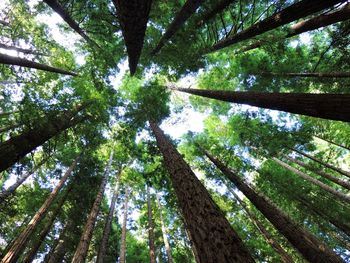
326 106
152 248
332 142
164 232
285 257
18 246
294 12
307 244
332 178
18 146
22 62
83 246
187 10
308 74
217 8
122 255
21 50
212 234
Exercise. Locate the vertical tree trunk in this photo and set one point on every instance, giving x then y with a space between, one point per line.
18 246
326 106
212 234
332 142
164 232
122 255
83 246
152 248
193 248
307 244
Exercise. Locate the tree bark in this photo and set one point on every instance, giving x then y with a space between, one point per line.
187 10
83 246
294 12
326 106
19 244
22 62
152 248
332 142
212 234
21 50
217 8
122 255
307 244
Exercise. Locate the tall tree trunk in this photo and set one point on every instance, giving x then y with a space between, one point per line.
326 106
19 244
21 50
330 177
83 246
217 8
22 62
346 173
152 248
187 10
294 12
164 232
332 142
108 225
122 255
213 236
285 257
18 146
314 181
308 74
307 244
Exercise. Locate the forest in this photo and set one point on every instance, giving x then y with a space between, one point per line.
191 131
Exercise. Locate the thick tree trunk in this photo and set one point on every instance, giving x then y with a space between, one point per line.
294 12
308 74
212 234
285 257
22 62
83 246
21 50
18 146
332 142
122 255
164 232
326 106
314 181
133 17
19 244
188 9
330 177
307 244
217 8
152 248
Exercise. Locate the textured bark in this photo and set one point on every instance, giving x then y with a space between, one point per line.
346 173
152 248
332 142
22 62
188 9
294 12
164 232
133 17
83 246
326 106
308 74
217 8
18 146
212 234
122 254
21 50
20 243
312 249
330 177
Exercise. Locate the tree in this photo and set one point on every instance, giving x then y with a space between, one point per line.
150 227
122 254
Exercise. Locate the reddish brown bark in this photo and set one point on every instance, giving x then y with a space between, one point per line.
152 248
122 254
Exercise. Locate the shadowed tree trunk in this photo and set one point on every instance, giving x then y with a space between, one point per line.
193 248
83 246
181 17
312 249
326 106
20 243
294 12
122 255
212 234
22 62
332 142
21 50
217 8
152 248
133 17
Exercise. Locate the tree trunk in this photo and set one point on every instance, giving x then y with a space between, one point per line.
308 74
314 181
332 142
294 12
133 17
193 248
326 106
20 243
285 257
152 248
83 246
164 232
18 146
217 8
214 238
108 225
332 178
187 10
122 255
22 62
307 244
346 173
21 50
